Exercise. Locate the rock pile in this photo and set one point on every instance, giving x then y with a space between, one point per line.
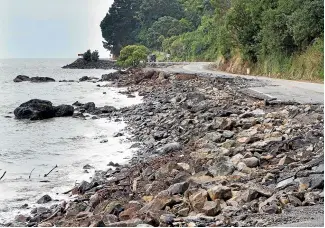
210 156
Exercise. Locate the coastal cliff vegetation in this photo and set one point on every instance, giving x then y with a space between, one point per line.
279 38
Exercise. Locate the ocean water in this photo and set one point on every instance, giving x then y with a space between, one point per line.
70 143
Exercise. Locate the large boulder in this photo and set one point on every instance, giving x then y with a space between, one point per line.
64 110
21 78
41 79
35 109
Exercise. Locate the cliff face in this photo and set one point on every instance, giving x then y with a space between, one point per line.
83 64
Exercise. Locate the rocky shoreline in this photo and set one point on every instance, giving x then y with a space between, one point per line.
208 156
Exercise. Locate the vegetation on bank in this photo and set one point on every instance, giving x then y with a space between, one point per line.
282 38
133 55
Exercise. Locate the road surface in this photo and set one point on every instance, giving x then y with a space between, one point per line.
279 89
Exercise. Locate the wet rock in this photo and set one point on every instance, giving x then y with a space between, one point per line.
211 208
89 107
41 79
41 109
44 199
113 164
77 103
88 167
35 110
251 162
118 134
84 78
64 110
21 78
220 192
103 141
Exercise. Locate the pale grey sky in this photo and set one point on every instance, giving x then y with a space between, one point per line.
51 29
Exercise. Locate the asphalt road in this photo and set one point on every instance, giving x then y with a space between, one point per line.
279 89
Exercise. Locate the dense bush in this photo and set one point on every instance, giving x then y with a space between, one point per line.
95 56
87 56
133 55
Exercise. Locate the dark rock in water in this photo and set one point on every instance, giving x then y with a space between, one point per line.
41 109
44 199
113 164
89 107
21 78
35 110
41 79
104 141
64 110
84 78
88 167
7 116
118 134
77 103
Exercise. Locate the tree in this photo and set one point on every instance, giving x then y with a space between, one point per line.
150 11
132 55
87 56
95 56
120 27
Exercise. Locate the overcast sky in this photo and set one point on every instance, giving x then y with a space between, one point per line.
51 29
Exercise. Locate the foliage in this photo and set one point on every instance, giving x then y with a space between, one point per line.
95 56
132 55
259 32
119 27
87 56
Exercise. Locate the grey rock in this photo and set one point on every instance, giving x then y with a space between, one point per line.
170 147
251 162
44 199
221 167
178 188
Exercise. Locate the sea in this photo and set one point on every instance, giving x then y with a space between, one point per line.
30 149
